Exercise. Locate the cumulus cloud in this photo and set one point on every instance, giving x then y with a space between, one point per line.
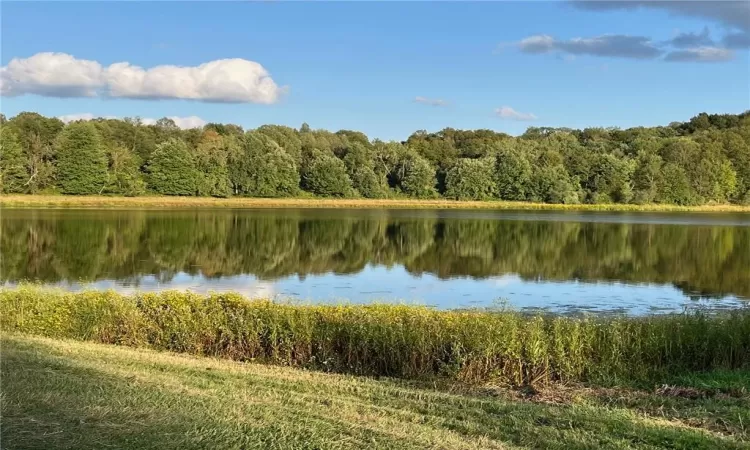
430 101
182 122
506 112
700 54
611 45
62 75
688 40
51 74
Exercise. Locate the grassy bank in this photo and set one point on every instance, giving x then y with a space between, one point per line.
60 201
397 341
61 394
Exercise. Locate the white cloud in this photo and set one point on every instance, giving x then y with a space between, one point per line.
430 101
700 54
51 74
506 112
182 122
541 43
67 118
62 75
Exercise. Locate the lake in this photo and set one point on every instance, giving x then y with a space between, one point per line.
567 262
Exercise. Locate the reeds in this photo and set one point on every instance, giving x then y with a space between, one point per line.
390 340
61 201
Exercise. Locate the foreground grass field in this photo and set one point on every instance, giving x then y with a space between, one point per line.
59 201
59 394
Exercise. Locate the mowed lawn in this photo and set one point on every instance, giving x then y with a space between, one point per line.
74 395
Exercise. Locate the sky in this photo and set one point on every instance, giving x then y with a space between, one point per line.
384 68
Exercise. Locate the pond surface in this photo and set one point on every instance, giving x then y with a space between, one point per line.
636 263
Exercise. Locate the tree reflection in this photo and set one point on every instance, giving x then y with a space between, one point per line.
53 246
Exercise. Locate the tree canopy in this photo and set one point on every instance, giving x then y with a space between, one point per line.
703 160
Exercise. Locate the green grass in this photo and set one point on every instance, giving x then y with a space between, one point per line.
61 394
61 201
391 340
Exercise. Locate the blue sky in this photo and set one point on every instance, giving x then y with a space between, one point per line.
388 68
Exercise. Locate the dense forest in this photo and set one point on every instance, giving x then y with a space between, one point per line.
703 160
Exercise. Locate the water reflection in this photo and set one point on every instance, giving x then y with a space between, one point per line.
634 262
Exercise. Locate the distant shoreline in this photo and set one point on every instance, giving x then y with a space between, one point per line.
62 201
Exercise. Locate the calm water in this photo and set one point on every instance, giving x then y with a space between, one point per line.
630 262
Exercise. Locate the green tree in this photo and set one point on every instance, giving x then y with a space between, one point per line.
553 184
713 178
674 186
30 126
471 179
259 167
647 177
124 174
81 160
711 152
171 170
276 174
610 179
736 145
512 173
13 174
360 166
326 175
386 157
415 176
286 137
37 135
211 163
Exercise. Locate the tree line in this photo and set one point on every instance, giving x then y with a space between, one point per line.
703 160
128 245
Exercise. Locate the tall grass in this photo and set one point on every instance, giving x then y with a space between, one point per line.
398 341
74 201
